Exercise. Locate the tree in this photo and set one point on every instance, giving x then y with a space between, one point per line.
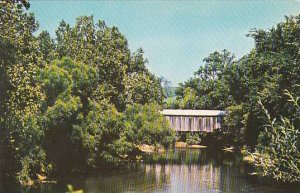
21 96
142 88
97 45
238 85
46 47
105 49
210 83
69 93
145 125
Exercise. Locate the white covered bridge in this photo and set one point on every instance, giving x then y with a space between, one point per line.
194 120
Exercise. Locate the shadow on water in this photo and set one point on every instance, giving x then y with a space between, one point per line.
176 171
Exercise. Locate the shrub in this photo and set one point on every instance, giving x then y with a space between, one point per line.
145 125
193 139
278 152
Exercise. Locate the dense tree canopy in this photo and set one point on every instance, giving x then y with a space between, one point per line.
239 86
106 49
236 85
21 96
75 101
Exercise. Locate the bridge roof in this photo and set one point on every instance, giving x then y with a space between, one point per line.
203 113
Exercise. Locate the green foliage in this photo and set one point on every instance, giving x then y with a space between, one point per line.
101 135
171 103
67 93
122 77
189 98
277 154
62 99
20 100
235 121
89 132
237 85
142 88
46 47
208 90
145 125
55 81
193 139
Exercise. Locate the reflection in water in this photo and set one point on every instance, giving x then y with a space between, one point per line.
177 171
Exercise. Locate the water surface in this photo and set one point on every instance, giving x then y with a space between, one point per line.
176 171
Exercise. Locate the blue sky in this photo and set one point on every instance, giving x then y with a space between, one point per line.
175 35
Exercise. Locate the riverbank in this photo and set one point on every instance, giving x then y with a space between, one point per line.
181 144
153 149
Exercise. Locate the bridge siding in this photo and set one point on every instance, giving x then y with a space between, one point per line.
193 123
194 120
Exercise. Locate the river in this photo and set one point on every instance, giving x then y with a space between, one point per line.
176 171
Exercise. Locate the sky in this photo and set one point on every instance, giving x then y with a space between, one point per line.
175 35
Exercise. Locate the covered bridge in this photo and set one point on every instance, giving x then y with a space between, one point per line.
194 120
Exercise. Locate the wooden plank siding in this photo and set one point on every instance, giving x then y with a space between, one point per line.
194 120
